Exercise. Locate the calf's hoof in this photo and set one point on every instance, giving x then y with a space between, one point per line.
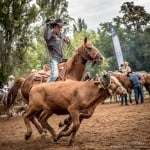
27 135
61 124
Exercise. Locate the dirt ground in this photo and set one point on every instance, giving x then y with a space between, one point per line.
111 127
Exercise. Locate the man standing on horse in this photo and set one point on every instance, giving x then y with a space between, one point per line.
55 43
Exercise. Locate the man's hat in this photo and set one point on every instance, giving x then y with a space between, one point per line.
126 62
58 22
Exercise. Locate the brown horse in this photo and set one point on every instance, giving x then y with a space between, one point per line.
124 80
77 98
146 81
72 69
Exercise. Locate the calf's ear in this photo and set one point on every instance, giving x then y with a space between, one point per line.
98 84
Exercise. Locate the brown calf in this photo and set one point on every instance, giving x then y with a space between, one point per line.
77 98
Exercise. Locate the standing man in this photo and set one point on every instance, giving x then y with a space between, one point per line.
138 90
127 69
11 81
122 70
55 43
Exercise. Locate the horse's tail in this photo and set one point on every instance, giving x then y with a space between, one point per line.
12 94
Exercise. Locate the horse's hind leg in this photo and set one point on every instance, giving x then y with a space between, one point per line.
43 120
26 116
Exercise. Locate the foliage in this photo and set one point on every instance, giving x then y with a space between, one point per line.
18 28
15 19
80 25
133 32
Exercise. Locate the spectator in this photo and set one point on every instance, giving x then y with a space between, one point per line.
123 96
138 90
127 68
11 81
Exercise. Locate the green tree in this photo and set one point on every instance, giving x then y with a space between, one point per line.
134 16
15 20
20 21
80 25
132 29
136 20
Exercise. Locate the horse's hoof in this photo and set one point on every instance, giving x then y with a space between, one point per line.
27 135
55 138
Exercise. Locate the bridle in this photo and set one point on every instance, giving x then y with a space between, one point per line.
87 59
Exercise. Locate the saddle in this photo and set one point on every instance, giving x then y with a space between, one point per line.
43 75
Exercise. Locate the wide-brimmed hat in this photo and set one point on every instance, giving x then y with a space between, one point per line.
126 63
59 22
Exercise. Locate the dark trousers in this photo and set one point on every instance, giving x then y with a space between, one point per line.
138 92
124 99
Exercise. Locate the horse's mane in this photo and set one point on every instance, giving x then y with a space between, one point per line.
69 64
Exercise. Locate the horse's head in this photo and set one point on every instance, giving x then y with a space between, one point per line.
113 85
90 53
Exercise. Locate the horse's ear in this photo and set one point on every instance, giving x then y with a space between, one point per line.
85 40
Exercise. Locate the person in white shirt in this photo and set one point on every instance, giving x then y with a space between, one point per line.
11 81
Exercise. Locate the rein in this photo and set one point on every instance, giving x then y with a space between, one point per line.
86 57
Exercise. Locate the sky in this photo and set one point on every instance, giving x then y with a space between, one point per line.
99 11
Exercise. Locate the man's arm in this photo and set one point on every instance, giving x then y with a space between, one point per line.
47 33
